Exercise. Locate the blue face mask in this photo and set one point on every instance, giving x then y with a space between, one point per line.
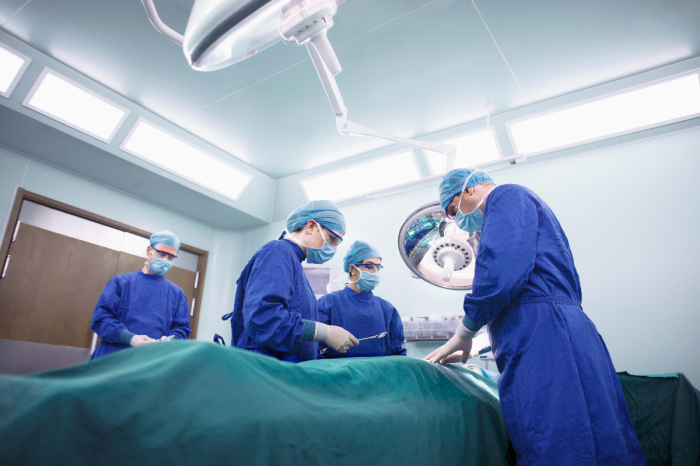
470 222
367 281
322 254
159 266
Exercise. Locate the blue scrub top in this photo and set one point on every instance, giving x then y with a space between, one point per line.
143 304
363 315
560 396
272 297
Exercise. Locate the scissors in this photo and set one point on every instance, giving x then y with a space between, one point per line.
381 335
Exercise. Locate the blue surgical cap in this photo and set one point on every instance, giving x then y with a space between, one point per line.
359 251
453 183
325 212
166 241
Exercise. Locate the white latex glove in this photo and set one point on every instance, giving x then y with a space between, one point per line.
138 340
462 340
164 338
335 337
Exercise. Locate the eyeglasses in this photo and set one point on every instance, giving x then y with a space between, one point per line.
335 240
163 255
453 206
369 267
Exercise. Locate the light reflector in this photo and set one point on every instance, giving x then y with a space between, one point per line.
12 65
73 105
363 178
171 153
648 107
472 149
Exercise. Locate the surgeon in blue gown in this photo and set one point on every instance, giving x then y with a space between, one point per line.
143 307
560 396
359 311
275 312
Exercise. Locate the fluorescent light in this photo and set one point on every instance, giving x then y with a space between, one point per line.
472 149
73 105
177 156
648 107
12 65
363 178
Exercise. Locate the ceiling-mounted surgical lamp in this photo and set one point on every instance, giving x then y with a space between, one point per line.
223 32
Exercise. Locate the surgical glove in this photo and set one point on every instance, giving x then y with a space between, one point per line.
335 337
138 340
164 338
462 340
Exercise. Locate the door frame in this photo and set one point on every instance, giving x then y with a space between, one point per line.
23 194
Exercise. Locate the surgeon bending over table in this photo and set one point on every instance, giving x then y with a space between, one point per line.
275 310
560 396
358 310
143 307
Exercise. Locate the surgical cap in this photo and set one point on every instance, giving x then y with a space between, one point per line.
325 212
359 251
166 241
452 183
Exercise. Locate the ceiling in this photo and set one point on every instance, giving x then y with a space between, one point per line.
410 67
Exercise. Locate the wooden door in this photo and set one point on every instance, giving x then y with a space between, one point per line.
50 287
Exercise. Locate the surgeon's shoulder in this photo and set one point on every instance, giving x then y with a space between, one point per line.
278 248
509 193
386 305
328 299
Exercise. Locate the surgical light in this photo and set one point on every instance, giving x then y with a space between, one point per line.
363 178
223 32
655 105
73 105
171 153
12 65
472 149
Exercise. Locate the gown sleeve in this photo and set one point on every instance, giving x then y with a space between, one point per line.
104 318
267 316
396 333
325 306
506 255
180 327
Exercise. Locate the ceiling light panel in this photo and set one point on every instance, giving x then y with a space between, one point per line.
364 178
73 105
655 105
177 156
12 65
472 149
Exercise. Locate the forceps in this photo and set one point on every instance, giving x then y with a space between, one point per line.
381 335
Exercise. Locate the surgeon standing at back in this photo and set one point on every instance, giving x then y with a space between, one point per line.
358 310
560 396
275 310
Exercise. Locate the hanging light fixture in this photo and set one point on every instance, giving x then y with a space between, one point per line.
223 32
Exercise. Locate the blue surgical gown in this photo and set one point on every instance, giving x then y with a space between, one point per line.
143 304
363 315
560 396
272 297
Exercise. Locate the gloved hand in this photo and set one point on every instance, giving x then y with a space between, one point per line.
164 338
462 340
335 337
138 340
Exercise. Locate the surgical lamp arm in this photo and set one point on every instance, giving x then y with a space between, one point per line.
349 128
160 25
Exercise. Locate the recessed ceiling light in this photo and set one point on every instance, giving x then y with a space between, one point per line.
73 105
177 156
12 65
655 105
363 178
472 149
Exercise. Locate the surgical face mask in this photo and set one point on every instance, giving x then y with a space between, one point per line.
322 254
367 281
159 265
